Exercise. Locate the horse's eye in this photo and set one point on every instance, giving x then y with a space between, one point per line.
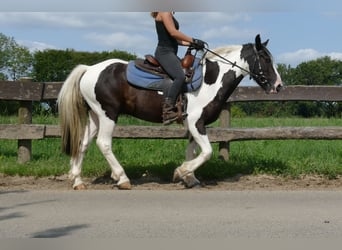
263 79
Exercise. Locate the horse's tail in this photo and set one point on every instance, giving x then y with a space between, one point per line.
72 112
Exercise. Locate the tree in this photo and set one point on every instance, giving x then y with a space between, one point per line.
52 65
322 71
55 65
15 60
286 73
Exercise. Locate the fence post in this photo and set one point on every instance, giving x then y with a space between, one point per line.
224 123
25 117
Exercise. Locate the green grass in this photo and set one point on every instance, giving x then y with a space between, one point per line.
160 157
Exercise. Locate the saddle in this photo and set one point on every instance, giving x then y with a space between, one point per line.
151 65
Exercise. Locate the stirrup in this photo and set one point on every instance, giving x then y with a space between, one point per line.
169 121
179 118
175 113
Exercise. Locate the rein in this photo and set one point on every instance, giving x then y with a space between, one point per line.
260 76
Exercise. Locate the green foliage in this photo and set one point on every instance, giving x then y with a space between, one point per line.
286 73
52 65
9 107
237 111
15 60
322 71
55 65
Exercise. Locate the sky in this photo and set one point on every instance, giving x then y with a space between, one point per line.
299 30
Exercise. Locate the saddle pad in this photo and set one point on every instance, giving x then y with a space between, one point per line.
147 80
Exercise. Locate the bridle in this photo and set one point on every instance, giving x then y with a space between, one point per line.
260 77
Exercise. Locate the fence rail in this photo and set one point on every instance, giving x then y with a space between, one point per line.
43 91
26 91
39 131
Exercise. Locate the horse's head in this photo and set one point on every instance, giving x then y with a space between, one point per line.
263 70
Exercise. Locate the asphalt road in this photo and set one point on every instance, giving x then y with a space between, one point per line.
171 214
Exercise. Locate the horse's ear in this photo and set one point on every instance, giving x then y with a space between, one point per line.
265 43
258 44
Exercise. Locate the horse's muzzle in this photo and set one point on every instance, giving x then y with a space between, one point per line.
277 87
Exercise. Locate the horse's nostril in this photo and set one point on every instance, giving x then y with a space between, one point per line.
279 87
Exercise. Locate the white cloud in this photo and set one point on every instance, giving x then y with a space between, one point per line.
134 43
76 20
208 18
298 56
228 33
336 55
217 28
304 55
131 31
42 19
35 46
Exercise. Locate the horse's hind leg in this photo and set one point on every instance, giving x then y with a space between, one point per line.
104 142
76 163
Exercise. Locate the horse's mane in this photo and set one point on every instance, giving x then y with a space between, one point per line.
223 50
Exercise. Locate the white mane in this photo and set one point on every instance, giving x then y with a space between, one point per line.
223 50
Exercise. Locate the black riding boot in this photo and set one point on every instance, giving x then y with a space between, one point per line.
170 113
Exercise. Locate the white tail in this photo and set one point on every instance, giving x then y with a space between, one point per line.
72 112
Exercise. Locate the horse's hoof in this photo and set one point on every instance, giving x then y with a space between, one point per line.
125 186
177 176
190 181
80 187
196 185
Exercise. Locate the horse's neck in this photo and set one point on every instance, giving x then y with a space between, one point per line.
240 65
212 97
226 82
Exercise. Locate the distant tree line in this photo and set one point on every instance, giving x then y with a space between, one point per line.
50 65
17 61
322 71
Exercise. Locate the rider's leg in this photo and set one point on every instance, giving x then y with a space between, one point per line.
172 65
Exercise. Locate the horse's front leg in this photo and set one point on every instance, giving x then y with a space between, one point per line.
186 171
191 150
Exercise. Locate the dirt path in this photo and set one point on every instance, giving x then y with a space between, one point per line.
250 182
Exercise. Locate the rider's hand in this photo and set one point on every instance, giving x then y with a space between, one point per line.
198 44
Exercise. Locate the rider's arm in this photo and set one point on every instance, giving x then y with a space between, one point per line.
167 19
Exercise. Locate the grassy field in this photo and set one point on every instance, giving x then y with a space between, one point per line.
160 157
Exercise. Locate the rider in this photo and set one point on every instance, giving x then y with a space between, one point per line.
169 37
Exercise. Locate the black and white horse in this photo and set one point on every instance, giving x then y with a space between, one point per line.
93 97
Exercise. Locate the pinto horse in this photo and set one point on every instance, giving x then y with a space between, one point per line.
93 97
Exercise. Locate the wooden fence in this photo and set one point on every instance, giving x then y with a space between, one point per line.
26 91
